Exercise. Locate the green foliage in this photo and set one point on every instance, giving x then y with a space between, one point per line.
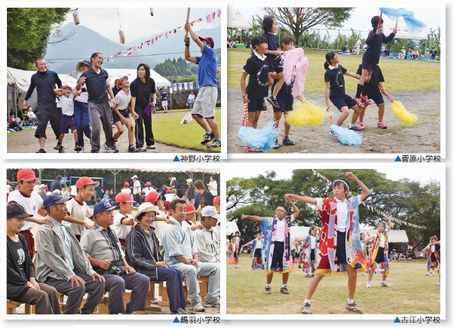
404 199
177 68
27 32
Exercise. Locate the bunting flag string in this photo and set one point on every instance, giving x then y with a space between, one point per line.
211 17
371 208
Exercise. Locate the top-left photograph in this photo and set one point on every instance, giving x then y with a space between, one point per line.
113 80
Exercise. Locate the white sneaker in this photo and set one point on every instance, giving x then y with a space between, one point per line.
385 284
197 308
369 284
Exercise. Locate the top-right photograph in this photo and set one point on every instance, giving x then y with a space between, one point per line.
336 80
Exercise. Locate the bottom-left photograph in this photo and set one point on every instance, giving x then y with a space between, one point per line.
113 241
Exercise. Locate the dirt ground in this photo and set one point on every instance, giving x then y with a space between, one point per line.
421 137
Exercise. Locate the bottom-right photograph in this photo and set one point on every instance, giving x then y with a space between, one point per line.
335 241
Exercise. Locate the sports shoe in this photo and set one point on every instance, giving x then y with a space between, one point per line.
354 128
61 150
273 102
94 151
212 304
287 142
216 143
353 307
276 144
252 150
152 147
284 290
381 125
359 126
182 311
207 138
385 284
197 307
306 308
41 151
132 149
369 284
141 148
58 147
78 149
267 289
110 149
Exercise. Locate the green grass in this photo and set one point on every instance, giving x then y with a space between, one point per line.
168 130
399 75
411 292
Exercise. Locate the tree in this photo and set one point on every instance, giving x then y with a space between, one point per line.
299 20
27 32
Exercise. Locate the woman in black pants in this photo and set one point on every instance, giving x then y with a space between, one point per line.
142 89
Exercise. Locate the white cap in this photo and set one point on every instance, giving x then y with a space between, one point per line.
210 211
134 177
189 180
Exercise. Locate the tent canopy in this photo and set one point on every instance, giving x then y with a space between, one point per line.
238 21
231 227
116 73
395 236
21 78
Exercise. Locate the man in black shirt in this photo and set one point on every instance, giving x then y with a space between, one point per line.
206 198
45 81
99 90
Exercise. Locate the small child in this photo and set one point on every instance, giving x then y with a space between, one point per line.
335 89
123 218
312 240
340 246
232 253
379 252
121 114
433 249
373 89
257 248
67 121
371 56
257 69
276 232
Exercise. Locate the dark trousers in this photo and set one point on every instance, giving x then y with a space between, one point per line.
82 118
94 288
100 114
44 115
116 285
44 299
141 122
173 280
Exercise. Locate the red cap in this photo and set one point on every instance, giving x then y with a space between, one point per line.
216 200
148 184
26 175
126 184
84 181
123 197
169 191
190 209
152 197
167 205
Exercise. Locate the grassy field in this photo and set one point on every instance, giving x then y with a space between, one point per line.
399 75
168 130
411 292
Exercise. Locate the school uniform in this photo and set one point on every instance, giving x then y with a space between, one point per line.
370 89
374 42
257 66
122 100
335 76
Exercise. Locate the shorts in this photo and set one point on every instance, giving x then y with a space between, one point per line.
380 258
205 102
256 105
341 253
345 101
116 118
67 123
312 255
258 252
377 97
164 103
285 101
278 255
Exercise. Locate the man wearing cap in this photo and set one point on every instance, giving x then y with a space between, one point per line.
136 189
45 82
142 252
30 201
78 208
123 220
206 239
105 254
81 114
99 90
204 107
21 282
61 263
180 252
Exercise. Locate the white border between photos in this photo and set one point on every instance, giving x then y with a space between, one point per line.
114 4
78 318
229 170
385 3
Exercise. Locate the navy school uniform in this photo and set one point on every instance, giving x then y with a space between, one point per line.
374 42
370 88
284 96
335 77
257 87
273 45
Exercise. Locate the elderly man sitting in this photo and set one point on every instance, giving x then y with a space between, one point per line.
206 238
105 254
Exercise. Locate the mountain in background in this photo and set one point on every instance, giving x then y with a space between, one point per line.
79 42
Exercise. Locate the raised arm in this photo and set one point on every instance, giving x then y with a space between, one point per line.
296 210
302 199
365 190
252 218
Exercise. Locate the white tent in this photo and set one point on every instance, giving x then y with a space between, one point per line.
231 227
236 20
116 73
21 79
395 236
